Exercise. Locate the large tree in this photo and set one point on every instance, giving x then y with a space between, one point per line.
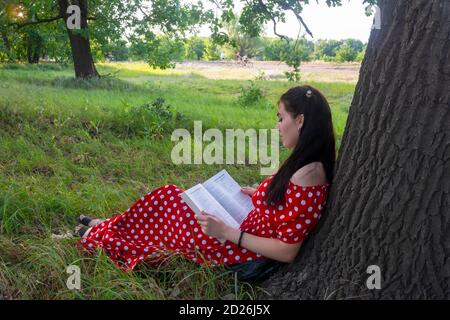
141 20
106 22
390 200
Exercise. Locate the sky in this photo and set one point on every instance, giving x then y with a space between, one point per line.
346 21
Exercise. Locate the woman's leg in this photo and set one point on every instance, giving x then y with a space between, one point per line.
78 229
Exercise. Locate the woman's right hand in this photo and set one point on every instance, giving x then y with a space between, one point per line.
248 191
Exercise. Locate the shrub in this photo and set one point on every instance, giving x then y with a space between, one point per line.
250 95
104 82
152 120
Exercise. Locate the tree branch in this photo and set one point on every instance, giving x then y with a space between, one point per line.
21 25
263 5
299 18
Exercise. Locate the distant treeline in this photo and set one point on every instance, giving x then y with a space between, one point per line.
266 49
32 47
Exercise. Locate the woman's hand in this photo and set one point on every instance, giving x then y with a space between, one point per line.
248 191
211 225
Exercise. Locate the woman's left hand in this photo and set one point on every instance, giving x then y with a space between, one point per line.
211 225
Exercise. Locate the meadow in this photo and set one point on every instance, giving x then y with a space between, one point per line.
76 146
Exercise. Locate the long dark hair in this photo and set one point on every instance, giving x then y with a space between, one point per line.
316 140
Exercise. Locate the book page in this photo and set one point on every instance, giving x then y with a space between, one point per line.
228 193
198 199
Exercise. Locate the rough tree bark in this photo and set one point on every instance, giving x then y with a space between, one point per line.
390 200
79 41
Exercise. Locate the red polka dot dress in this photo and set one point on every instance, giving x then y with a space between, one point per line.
161 224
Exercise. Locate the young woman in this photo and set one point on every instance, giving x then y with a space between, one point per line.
288 205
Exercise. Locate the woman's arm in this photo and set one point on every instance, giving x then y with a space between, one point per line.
268 247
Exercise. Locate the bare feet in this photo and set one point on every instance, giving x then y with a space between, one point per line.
91 223
82 230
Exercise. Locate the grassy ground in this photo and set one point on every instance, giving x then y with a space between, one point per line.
70 147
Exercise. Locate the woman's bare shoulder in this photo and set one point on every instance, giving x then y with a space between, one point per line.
312 174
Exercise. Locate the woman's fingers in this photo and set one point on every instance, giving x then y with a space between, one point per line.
248 190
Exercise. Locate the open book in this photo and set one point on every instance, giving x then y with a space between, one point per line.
221 196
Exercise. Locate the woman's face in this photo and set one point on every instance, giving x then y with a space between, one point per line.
288 126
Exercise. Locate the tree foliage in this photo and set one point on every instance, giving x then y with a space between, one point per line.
154 30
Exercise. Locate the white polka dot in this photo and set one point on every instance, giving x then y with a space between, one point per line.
298 226
308 221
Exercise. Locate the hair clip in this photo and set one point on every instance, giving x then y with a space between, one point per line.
308 93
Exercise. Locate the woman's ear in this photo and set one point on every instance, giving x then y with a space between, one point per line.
299 120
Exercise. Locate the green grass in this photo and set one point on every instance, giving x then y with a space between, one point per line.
69 147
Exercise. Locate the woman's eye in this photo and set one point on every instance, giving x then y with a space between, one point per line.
279 119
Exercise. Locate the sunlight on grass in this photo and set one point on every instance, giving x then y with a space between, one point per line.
69 147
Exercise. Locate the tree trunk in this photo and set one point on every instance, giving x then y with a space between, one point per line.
34 47
390 201
7 46
79 41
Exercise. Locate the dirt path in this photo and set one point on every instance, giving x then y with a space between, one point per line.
316 71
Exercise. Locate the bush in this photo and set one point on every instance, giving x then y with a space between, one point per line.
195 48
250 95
360 56
212 51
152 120
34 67
345 53
104 82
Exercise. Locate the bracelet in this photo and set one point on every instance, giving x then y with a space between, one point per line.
240 239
